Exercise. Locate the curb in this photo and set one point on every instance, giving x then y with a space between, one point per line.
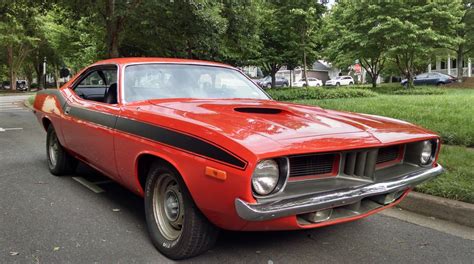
438 207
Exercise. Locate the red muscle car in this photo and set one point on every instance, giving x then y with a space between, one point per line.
209 150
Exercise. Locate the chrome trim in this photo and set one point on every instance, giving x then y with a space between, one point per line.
314 202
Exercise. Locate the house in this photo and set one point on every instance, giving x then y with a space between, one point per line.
448 65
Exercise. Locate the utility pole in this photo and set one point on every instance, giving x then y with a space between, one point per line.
44 73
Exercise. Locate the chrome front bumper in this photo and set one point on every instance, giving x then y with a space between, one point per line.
325 200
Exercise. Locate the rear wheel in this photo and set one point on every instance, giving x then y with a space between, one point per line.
440 84
176 226
59 161
268 86
338 84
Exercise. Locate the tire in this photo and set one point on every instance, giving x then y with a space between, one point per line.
351 83
268 86
285 85
338 84
176 226
440 84
59 161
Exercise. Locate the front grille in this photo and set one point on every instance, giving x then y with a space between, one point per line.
357 163
388 154
309 165
360 163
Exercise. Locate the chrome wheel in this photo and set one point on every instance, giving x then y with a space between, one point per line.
168 207
53 149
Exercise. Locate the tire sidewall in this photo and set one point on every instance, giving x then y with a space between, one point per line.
52 133
170 248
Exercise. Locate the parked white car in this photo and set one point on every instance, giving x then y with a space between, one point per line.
340 80
311 82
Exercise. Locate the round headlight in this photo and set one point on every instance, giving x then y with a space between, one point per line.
265 177
426 153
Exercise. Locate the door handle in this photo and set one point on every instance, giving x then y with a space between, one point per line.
67 110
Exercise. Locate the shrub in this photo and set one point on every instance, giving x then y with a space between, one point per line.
290 94
420 91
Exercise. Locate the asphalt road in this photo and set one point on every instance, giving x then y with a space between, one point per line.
47 219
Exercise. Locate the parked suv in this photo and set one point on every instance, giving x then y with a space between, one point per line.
431 78
267 82
311 82
22 85
340 80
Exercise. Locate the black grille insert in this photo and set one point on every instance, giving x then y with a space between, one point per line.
309 165
388 154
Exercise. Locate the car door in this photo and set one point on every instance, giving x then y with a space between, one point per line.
421 79
89 122
433 78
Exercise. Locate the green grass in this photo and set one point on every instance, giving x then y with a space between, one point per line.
458 181
451 114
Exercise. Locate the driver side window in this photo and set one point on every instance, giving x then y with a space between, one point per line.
97 84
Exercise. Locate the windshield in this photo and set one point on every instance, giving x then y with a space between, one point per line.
156 81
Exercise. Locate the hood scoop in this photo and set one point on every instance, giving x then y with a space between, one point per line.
258 110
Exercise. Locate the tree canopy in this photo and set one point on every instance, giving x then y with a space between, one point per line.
381 35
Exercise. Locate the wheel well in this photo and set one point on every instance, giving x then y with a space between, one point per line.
144 163
46 123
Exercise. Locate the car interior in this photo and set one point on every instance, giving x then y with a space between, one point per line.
98 85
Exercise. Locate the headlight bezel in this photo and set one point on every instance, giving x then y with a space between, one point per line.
283 175
414 152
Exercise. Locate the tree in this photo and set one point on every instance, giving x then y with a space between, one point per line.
305 19
240 43
414 29
352 32
15 21
113 15
185 29
465 36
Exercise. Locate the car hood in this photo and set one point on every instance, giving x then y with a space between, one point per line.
265 126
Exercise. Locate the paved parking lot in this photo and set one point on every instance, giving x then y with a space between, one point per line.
47 219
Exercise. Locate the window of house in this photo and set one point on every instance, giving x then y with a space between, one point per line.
443 65
454 64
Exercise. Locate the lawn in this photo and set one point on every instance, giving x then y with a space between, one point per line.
458 180
451 114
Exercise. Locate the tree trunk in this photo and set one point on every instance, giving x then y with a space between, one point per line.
305 71
374 80
460 58
11 67
29 77
273 73
113 25
409 76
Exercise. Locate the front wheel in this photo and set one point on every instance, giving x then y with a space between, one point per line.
59 161
176 226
